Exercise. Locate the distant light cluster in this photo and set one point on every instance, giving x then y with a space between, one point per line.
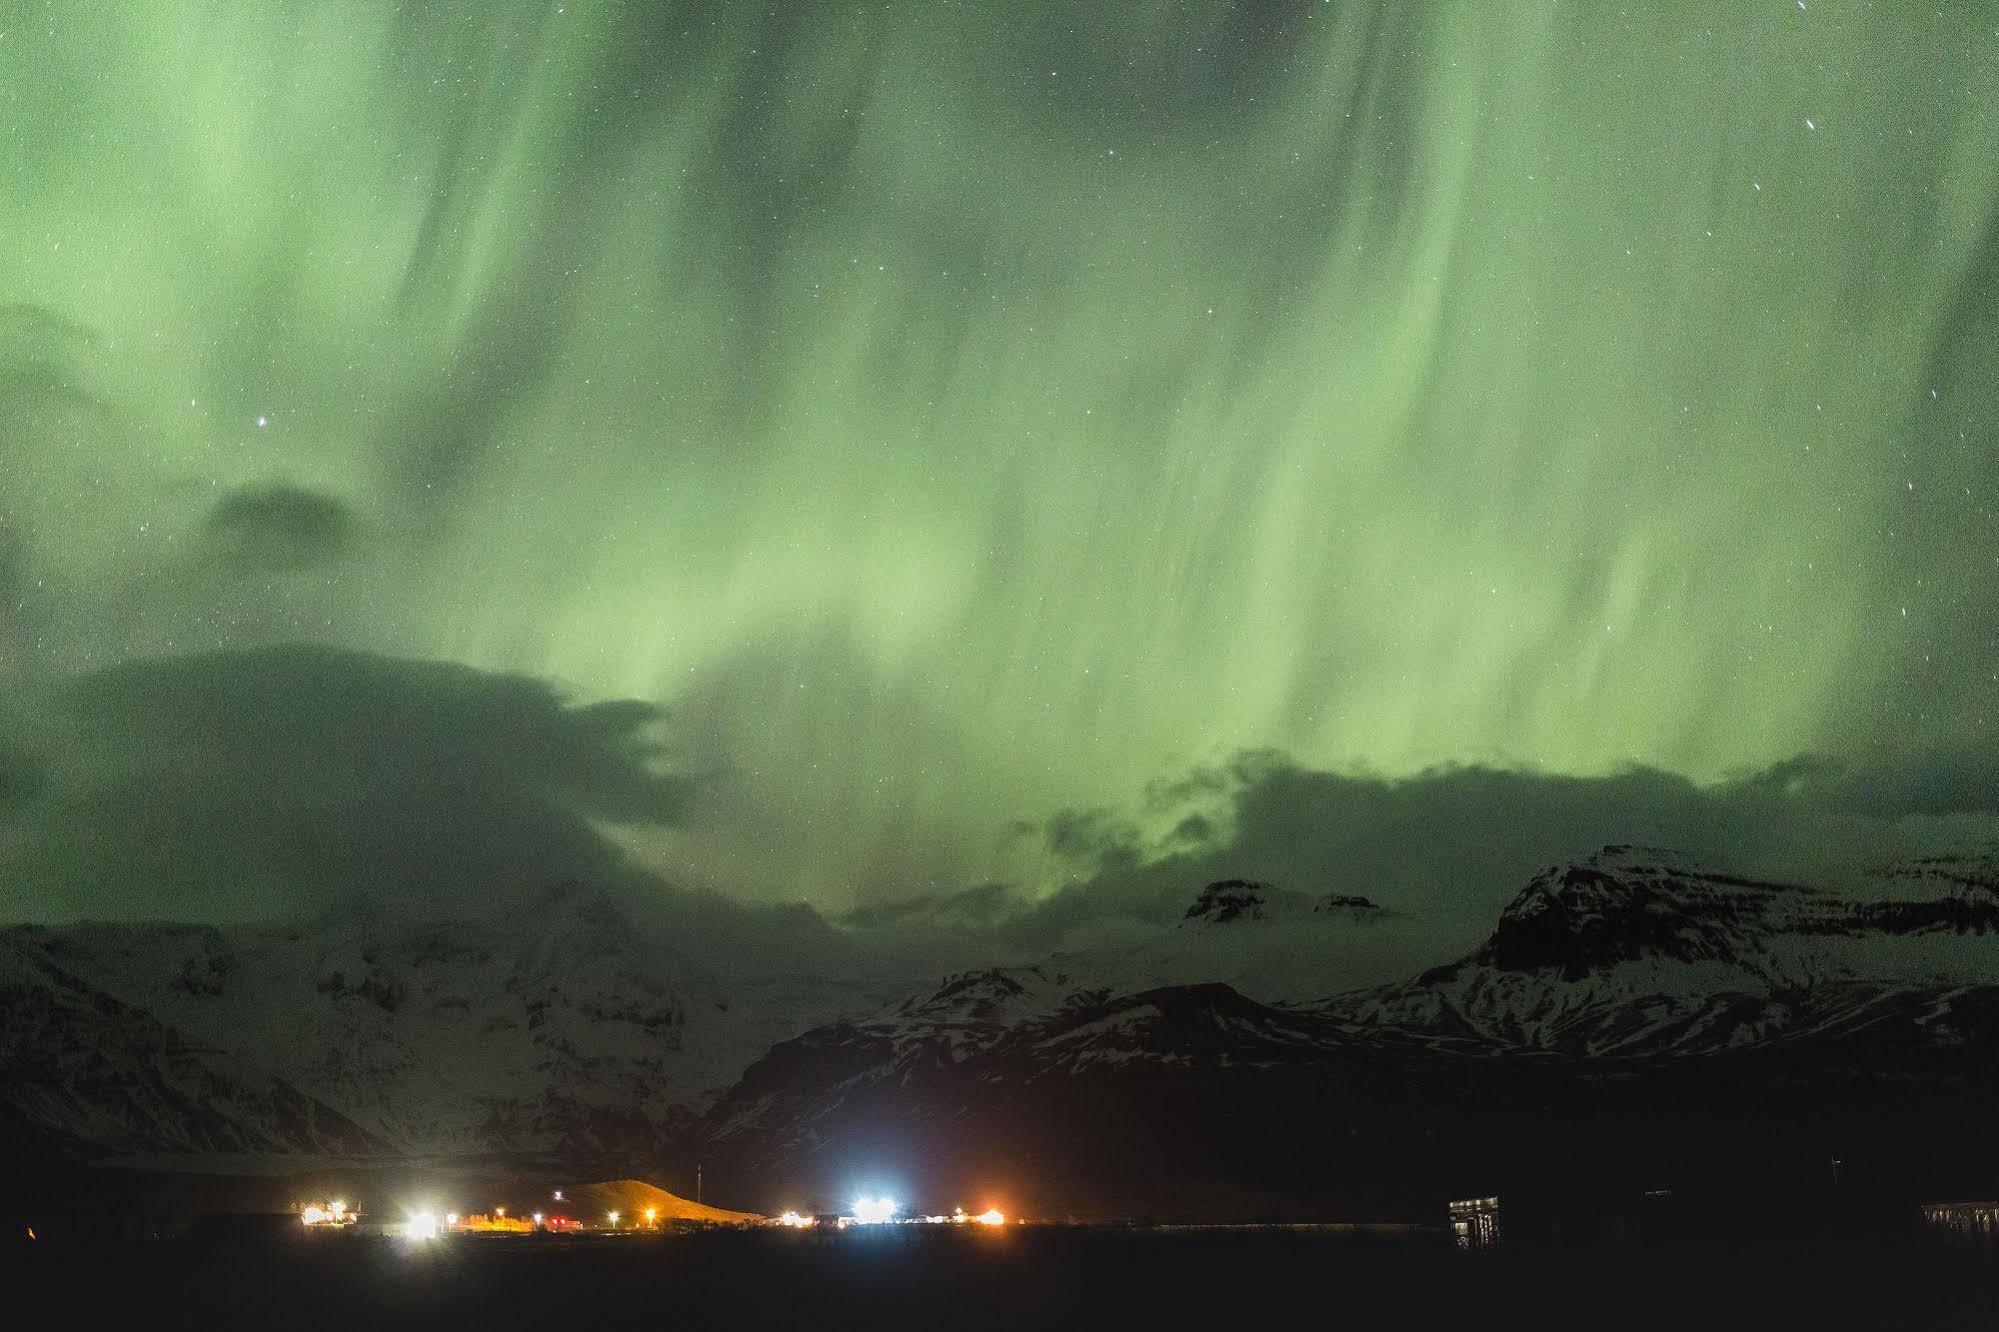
869 1210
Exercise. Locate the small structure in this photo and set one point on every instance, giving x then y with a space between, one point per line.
1475 1222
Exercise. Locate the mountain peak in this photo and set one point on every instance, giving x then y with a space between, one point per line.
1630 858
1627 902
1230 899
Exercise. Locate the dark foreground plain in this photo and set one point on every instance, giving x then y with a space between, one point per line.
1022 1277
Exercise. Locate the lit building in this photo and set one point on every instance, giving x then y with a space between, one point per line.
1975 1222
1475 1222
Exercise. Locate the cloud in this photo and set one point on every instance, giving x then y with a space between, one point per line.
1936 783
975 908
285 779
280 527
286 782
1449 847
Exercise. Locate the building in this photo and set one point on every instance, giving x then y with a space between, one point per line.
1970 1222
1475 1222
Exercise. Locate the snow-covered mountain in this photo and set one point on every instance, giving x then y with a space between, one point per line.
1628 993
1632 950
554 1026
1267 943
81 1067
1637 951
1271 944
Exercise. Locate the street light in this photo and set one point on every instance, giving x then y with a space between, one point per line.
614 1220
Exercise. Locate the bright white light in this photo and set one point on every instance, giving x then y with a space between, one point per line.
451 1218
876 1211
537 1218
326 1214
421 1226
558 1195
614 1219
992 1216
797 1220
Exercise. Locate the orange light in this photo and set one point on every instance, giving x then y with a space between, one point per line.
992 1216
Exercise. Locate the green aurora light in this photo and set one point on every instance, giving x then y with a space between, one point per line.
953 413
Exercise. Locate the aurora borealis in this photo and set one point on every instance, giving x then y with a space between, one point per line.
953 416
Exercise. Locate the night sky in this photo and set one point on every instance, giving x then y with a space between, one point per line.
953 452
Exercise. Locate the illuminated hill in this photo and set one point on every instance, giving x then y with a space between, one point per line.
631 1199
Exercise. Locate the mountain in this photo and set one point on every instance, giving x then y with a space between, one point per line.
1230 900
85 1071
1630 1011
547 1026
1176 1101
1268 943
1636 951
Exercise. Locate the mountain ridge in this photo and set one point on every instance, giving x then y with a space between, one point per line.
563 1032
